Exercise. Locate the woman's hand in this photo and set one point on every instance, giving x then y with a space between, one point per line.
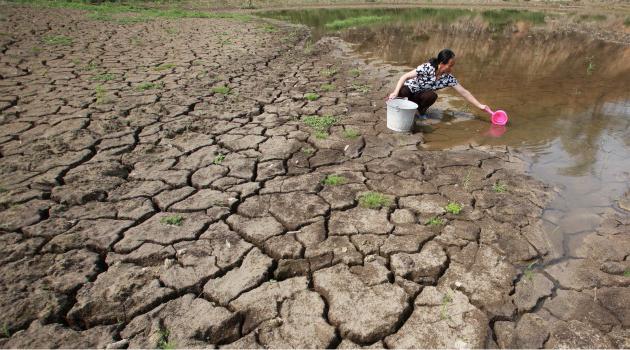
392 95
482 107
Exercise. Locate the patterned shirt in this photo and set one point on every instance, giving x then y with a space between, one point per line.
425 80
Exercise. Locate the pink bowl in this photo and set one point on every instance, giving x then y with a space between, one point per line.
499 118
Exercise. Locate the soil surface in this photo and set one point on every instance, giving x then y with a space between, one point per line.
143 206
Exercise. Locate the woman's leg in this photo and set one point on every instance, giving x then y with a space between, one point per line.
424 99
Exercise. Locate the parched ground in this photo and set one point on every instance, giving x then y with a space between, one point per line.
144 207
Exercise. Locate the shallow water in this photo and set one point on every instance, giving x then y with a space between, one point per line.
568 97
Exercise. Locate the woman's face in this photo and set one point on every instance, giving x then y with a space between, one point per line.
447 68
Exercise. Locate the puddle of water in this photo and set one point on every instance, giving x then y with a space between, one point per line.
568 97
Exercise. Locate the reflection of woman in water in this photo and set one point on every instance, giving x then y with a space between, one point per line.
420 84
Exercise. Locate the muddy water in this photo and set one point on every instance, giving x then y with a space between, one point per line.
568 97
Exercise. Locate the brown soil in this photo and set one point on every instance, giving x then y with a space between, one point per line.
143 207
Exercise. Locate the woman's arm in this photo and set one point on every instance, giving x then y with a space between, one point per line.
468 96
401 81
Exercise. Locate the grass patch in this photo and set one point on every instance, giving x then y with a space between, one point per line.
164 66
499 187
626 273
223 90
528 273
355 22
446 299
3 190
5 330
268 28
163 342
311 96
308 151
435 221
57 40
592 18
327 87
626 22
171 31
354 72
334 180
218 159
453 208
100 16
101 94
499 19
174 220
149 86
321 135
362 88
351 134
104 77
319 123
329 72
374 200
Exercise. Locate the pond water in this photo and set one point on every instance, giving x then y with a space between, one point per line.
568 97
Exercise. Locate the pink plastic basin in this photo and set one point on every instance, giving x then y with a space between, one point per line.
498 118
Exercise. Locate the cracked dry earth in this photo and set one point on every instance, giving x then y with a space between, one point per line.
265 255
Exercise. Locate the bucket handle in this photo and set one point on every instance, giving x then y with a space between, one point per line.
398 98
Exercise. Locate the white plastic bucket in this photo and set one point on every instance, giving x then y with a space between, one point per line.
400 114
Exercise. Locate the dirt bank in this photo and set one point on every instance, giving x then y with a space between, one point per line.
169 184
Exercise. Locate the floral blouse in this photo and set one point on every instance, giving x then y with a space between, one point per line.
425 80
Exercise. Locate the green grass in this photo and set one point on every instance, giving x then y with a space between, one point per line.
171 31
163 342
334 180
174 220
435 221
362 88
626 273
351 134
329 72
2 190
374 200
626 22
321 135
149 86
5 330
164 66
58 40
499 19
104 77
218 159
446 300
311 96
593 18
354 72
223 90
499 187
308 151
453 208
327 87
101 94
318 123
268 28
528 273
355 22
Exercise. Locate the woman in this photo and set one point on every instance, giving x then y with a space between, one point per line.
420 84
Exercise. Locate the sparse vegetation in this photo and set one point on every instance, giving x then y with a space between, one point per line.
374 200
319 123
222 90
362 88
354 72
322 135
5 330
528 273
626 22
355 22
269 28
311 96
334 180
171 31
499 187
101 94
327 87
626 273
308 47
308 151
104 77
164 66
453 208
218 159
163 342
60 40
435 221
593 18
446 299
351 134
173 220
590 67
329 72
2 190
149 86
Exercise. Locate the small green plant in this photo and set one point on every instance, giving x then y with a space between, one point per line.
101 94
626 22
351 134
319 123
311 96
435 221
626 273
355 22
5 330
327 87
61 40
334 180
308 151
36 50
322 135
218 159
174 220
308 47
269 28
223 90
362 88
590 67
446 299
163 342
164 66
528 273
2 190
466 183
329 72
171 31
148 86
453 208
374 200
104 77
499 187
354 72
100 16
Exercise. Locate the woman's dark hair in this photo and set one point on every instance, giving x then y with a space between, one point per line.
443 57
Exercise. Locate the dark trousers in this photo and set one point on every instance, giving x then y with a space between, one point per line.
423 99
